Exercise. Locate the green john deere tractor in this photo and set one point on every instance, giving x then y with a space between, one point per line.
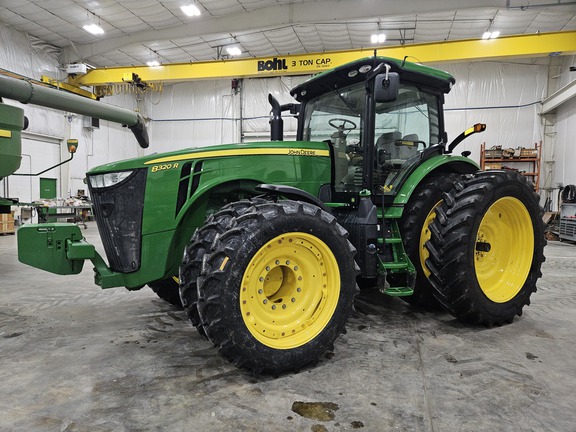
264 243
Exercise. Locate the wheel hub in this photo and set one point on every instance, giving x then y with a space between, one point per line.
289 290
504 249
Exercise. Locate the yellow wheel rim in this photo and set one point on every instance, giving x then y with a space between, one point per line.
290 290
424 237
504 249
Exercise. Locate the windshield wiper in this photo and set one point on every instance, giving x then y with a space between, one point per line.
345 102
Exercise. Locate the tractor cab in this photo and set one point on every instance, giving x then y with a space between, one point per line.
376 140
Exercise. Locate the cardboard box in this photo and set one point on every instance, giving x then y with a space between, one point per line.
492 166
6 217
493 154
6 227
528 153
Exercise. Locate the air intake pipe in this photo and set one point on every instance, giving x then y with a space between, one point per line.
276 122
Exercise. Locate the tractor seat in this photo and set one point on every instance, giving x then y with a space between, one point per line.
406 152
386 150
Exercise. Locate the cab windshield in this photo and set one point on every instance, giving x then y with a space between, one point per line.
403 129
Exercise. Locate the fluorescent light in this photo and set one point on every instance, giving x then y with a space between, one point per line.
94 29
486 35
233 51
190 10
378 38
153 63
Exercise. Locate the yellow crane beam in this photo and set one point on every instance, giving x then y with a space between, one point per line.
533 45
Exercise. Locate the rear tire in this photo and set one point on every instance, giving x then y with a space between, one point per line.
486 247
278 287
418 214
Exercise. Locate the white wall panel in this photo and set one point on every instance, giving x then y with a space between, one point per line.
504 96
565 125
38 154
565 158
25 56
191 114
256 108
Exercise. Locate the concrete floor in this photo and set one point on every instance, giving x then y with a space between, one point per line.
74 357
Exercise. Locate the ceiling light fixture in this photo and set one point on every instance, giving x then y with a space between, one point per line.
233 51
153 62
94 29
490 35
190 10
378 38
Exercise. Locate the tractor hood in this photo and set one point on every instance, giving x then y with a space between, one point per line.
226 150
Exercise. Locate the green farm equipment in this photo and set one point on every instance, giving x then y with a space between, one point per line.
13 121
264 244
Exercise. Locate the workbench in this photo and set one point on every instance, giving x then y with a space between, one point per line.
78 214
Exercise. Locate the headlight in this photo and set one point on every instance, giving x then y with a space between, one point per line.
109 179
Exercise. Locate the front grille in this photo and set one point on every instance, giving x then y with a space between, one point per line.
118 213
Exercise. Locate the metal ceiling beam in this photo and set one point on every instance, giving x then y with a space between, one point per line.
544 44
277 16
560 97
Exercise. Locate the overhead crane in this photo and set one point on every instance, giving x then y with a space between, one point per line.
533 45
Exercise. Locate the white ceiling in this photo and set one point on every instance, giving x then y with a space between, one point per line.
138 31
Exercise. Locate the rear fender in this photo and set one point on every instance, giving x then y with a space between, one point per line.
436 165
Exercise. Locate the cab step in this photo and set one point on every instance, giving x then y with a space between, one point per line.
399 291
395 265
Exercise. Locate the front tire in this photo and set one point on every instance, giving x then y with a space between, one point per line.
486 248
201 241
278 288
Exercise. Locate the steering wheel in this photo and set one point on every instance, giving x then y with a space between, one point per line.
341 127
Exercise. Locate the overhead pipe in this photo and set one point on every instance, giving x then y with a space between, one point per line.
25 92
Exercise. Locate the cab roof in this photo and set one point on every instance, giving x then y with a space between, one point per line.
356 71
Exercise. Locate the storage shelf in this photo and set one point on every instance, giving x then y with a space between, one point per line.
487 162
511 159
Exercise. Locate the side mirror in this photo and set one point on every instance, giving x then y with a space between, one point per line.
386 87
